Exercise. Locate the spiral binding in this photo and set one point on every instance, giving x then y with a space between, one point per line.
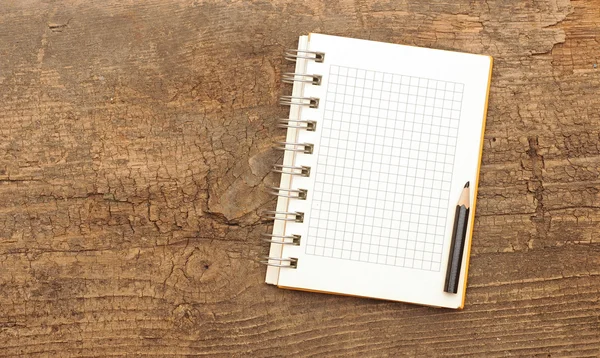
305 148
293 55
310 126
296 216
290 77
292 262
291 170
311 102
290 193
284 239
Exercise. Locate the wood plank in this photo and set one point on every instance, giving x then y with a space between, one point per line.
207 296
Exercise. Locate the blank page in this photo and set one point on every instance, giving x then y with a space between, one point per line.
399 132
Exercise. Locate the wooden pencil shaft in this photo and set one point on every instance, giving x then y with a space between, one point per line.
459 231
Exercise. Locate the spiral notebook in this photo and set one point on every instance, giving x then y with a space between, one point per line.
380 141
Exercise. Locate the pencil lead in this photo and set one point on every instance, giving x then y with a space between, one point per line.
467 185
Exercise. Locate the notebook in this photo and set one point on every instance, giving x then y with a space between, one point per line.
380 141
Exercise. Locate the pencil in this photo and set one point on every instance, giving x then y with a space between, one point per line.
459 232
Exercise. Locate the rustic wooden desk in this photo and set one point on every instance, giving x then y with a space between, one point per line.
135 148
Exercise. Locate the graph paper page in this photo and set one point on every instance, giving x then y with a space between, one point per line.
399 134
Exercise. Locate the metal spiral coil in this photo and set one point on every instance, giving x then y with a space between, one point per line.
306 148
282 239
290 77
290 193
295 216
290 262
293 55
310 126
291 170
311 102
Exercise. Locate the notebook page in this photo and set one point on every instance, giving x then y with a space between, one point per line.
399 133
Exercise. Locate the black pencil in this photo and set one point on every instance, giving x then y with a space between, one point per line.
459 232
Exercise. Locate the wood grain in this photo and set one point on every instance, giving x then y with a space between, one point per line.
135 150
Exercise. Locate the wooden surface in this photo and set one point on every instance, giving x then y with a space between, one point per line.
135 150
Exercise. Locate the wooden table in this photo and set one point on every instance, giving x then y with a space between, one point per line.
135 148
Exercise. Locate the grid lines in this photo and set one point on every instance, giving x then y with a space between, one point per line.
384 168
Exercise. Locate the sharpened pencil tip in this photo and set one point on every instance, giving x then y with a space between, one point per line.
467 185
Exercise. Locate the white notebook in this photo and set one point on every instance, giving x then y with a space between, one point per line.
386 136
